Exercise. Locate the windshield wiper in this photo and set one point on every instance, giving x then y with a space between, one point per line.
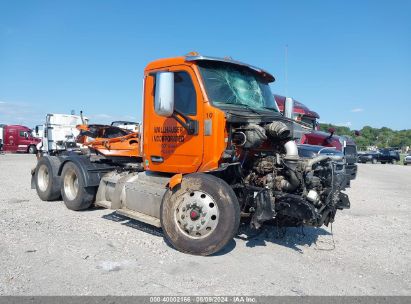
245 106
271 108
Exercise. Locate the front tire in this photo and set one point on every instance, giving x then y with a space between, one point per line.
75 195
374 161
46 180
201 215
32 150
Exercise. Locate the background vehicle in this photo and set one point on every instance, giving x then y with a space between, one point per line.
368 157
301 113
383 156
312 136
38 131
213 149
407 159
59 133
17 138
1 137
388 156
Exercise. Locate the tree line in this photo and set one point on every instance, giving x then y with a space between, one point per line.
369 136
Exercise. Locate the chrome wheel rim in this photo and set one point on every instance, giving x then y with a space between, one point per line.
43 178
71 185
197 214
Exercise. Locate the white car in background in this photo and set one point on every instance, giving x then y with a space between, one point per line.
407 159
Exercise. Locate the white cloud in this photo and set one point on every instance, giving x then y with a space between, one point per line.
12 112
344 124
103 116
356 110
19 113
129 117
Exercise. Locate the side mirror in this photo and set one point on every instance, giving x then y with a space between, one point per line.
37 130
26 135
164 94
331 131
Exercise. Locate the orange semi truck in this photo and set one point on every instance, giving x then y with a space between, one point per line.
213 150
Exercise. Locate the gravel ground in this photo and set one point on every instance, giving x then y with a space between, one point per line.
45 249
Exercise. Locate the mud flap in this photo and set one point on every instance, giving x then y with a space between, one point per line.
33 183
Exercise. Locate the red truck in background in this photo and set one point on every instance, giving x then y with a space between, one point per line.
308 120
17 138
301 113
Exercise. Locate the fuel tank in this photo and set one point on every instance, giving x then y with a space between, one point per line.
137 194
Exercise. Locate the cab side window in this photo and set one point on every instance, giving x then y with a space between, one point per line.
21 134
185 99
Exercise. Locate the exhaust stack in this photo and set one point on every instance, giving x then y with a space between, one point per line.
288 107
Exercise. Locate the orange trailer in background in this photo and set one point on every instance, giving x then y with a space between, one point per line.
109 141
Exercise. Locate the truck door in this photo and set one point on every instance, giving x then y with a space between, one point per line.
167 145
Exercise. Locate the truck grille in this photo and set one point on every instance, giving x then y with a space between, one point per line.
350 152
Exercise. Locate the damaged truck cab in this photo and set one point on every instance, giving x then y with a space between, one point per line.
212 149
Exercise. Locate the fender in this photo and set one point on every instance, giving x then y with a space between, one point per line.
92 172
175 180
230 173
55 163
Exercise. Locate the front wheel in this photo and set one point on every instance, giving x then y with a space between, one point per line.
32 150
201 216
374 161
75 195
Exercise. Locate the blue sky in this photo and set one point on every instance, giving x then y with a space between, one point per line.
348 60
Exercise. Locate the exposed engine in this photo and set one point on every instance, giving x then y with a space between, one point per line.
284 181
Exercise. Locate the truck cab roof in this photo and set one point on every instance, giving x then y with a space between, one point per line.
19 127
195 57
299 107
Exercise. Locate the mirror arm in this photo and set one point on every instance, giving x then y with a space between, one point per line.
190 125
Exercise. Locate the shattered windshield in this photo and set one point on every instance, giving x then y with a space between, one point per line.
236 85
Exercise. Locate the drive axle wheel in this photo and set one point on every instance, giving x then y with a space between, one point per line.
43 178
201 216
75 195
46 181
